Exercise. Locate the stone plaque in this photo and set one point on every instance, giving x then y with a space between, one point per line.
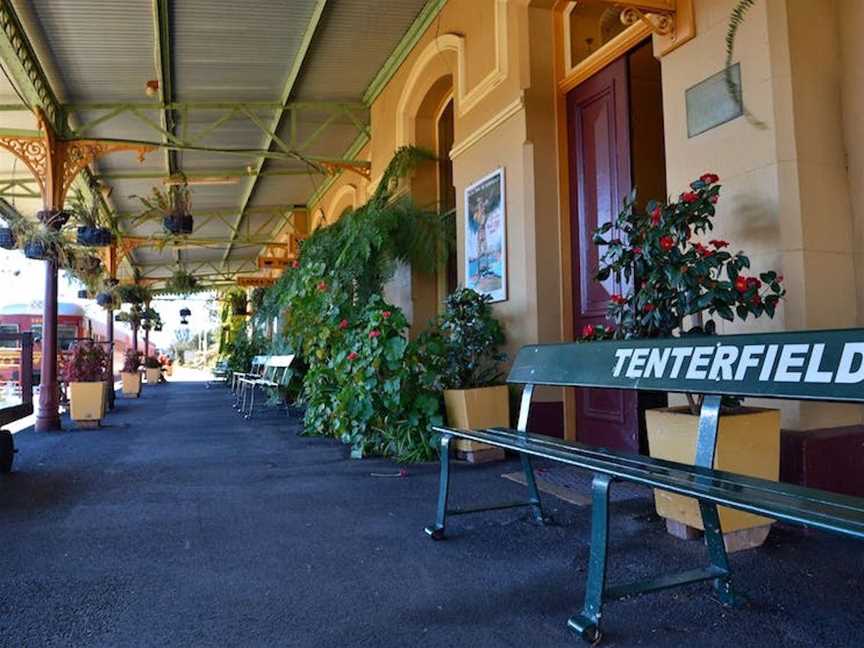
710 104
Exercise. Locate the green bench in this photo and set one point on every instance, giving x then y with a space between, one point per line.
820 365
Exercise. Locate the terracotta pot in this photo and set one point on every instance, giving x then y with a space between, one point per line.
474 409
153 375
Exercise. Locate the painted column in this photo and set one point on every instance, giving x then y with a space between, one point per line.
135 338
48 417
147 340
109 329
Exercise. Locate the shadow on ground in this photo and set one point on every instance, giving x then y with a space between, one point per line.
181 524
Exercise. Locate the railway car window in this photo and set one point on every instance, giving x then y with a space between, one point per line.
8 328
66 336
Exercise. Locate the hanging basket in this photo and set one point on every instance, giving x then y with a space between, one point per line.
7 238
83 294
36 250
94 236
185 312
178 223
105 299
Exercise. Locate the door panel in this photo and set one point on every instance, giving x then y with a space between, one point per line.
599 139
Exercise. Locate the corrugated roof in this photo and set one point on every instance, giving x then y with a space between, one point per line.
222 50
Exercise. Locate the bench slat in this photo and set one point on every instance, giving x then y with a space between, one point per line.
809 507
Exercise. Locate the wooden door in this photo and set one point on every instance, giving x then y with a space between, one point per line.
598 120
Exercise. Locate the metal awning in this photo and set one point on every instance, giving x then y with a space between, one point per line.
257 104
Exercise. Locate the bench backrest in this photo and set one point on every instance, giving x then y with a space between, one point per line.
806 365
276 368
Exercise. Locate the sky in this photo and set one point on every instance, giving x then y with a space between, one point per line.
22 281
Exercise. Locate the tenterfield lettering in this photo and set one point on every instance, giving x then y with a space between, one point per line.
782 363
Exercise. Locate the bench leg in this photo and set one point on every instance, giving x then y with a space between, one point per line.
533 493
587 624
717 555
436 531
248 415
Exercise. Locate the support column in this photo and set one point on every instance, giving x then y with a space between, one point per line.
109 329
147 341
135 338
48 416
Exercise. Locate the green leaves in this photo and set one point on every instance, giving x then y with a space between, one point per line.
668 275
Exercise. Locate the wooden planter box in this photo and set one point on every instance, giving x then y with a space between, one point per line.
87 403
131 384
748 443
153 376
474 409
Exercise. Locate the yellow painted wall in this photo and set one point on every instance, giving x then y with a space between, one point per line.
785 197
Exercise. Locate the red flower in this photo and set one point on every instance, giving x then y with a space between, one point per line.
655 216
374 333
755 300
343 324
689 197
714 199
322 286
667 243
588 330
295 264
702 250
719 243
741 284
386 314
780 279
352 356
753 282
648 308
618 299
709 178
637 250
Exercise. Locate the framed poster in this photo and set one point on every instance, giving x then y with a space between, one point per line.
485 236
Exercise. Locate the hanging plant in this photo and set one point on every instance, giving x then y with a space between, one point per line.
105 300
181 283
132 294
185 312
91 230
53 219
173 205
238 301
83 294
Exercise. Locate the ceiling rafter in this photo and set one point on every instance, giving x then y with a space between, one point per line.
293 74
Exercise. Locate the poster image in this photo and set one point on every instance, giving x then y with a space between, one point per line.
485 242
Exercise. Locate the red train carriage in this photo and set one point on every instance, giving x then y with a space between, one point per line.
72 323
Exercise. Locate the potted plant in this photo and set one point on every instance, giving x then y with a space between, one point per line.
673 276
153 369
91 231
474 396
174 205
86 371
182 283
185 312
130 374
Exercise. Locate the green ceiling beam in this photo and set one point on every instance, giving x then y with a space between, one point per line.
284 97
165 74
421 23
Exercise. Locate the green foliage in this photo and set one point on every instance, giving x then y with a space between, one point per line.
85 214
673 276
181 283
133 294
161 202
242 348
374 392
463 349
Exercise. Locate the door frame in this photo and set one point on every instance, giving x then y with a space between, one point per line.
567 78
